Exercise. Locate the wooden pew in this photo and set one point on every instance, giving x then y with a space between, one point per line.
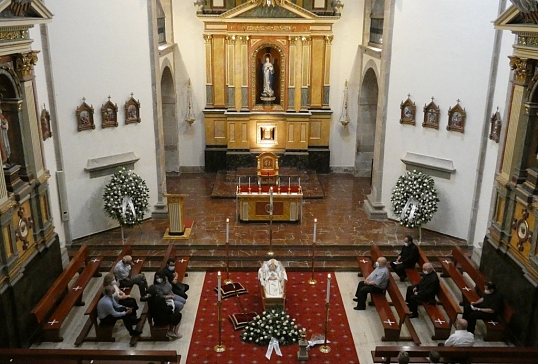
495 330
104 333
158 333
388 320
398 301
76 356
451 354
61 298
441 325
450 270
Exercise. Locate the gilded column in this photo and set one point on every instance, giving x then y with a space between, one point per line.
317 73
292 72
305 73
244 73
327 72
230 72
208 70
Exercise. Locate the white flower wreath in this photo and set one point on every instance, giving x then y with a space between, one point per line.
272 323
414 199
126 198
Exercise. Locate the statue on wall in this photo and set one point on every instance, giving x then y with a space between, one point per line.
5 148
268 70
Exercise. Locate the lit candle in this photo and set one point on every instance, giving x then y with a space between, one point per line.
271 200
227 229
315 225
289 181
299 181
328 287
249 182
239 183
218 287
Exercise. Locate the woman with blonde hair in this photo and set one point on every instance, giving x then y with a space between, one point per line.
121 297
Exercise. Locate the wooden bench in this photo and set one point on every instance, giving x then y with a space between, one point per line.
77 356
61 298
104 332
441 325
158 333
452 354
495 330
398 301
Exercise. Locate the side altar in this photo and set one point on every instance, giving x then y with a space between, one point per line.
253 203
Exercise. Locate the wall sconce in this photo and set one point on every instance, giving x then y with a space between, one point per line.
344 117
200 5
337 6
189 116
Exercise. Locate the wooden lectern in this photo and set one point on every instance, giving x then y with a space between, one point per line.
176 214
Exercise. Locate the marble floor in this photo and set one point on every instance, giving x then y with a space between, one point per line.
365 325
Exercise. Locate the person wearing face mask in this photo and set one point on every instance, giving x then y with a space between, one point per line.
486 308
376 282
407 259
122 271
120 296
424 291
164 289
170 273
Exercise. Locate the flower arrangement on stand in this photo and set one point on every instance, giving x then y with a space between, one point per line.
272 323
414 199
126 198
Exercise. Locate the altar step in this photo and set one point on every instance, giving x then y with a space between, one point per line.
247 257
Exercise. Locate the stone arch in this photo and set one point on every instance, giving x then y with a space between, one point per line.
367 114
170 122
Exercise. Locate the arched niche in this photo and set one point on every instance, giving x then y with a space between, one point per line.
11 106
276 56
170 121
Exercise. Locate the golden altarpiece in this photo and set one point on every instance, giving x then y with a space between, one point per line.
267 82
30 257
510 249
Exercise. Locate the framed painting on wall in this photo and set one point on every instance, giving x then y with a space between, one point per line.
431 115
45 124
109 114
495 129
408 111
132 111
85 116
456 118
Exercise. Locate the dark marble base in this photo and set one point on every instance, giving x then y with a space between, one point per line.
518 290
215 159
319 159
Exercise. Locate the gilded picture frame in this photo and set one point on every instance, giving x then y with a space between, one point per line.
84 115
431 116
132 111
109 114
495 127
408 112
456 118
46 131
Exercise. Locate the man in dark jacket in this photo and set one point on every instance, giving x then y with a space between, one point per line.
407 259
170 273
486 308
424 291
162 314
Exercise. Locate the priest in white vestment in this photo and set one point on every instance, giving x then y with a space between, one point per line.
272 276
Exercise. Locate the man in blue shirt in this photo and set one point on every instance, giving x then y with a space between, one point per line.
109 311
376 282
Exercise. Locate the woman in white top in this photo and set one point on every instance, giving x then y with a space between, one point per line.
120 296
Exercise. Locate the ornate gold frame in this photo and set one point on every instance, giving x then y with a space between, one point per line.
431 115
132 111
456 118
408 111
109 114
253 68
85 116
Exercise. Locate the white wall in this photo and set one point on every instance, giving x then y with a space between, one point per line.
438 51
100 48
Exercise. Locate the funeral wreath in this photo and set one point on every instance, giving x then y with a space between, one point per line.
414 199
126 198
272 323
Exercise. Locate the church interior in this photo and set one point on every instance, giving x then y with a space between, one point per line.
264 145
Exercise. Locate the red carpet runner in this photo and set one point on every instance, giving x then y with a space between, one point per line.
304 302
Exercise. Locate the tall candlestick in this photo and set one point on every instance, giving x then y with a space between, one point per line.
218 287
315 224
227 229
239 182
328 287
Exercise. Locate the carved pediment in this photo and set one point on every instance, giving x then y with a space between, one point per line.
260 10
517 21
23 13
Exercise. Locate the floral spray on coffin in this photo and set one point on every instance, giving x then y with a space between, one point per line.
414 199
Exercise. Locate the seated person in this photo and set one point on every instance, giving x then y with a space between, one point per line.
424 291
109 311
376 282
170 273
120 296
486 308
164 288
272 277
122 271
163 314
407 259
460 337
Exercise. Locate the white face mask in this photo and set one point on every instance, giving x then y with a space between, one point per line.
377 264
159 280
405 244
114 282
171 267
425 271
487 291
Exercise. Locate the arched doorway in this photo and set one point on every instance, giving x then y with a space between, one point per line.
170 123
367 113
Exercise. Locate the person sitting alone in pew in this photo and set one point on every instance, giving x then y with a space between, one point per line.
120 296
407 259
109 311
376 282
424 291
122 271
460 337
170 273
485 308
164 289
162 314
